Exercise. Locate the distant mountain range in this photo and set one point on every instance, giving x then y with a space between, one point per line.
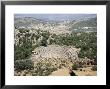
57 17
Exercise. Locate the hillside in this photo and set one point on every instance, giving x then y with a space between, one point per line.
89 25
44 46
55 27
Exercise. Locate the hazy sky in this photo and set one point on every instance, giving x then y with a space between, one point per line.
57 16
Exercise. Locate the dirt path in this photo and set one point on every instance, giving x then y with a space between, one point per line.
61 72
65 72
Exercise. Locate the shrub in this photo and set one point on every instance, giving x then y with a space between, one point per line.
44 42
72 73
23 51
45 34
23 64
52 41
80 65
43 69
80 69
94 68
75 67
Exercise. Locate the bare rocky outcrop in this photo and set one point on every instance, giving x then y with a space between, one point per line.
55 51
56 55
